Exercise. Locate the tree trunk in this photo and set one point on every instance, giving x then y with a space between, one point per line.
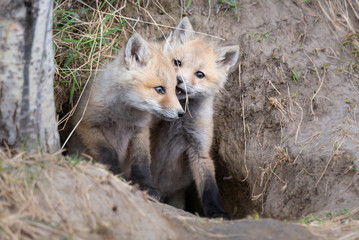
27 110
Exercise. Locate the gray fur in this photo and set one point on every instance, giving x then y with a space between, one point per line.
180 149
228 56
184 31
172 143
137 49
114 118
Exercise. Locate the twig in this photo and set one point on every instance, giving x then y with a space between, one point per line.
320 79
330 159
301 116
274 87
244 126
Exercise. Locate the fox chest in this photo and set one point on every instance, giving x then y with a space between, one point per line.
119 139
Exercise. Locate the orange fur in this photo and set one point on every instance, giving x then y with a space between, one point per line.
180 149
121 101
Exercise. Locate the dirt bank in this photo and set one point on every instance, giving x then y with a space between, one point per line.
45 196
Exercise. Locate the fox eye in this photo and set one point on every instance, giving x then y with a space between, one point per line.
160 90
200 74
177 63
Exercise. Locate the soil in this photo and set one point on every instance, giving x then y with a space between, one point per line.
45 197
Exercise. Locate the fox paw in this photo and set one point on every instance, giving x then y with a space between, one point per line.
154 193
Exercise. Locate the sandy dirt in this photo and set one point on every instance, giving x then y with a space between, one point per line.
43 196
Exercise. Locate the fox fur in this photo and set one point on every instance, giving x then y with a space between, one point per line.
116 109
180 149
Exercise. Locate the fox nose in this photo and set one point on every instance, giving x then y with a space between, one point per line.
180 113
179 80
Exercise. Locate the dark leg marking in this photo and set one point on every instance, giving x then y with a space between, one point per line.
210 200
109 157
140 174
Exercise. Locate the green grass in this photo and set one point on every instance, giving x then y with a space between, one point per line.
187 6
265 35
294 76
231 4
326 216
310 218
261 36
74 159
83 36
353 41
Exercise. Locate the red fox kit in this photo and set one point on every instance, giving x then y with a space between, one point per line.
180 148
139 83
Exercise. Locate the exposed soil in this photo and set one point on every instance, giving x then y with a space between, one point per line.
46 197
299 152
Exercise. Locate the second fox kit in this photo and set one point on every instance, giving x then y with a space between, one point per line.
139 83
180 149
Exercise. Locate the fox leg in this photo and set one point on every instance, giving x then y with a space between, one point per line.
139 156
98 147
176 199
202 168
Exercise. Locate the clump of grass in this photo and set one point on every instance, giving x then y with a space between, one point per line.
294 76
338 13
85 34
265 35
187 6
353 41
337 216
225 5
310 219
269 171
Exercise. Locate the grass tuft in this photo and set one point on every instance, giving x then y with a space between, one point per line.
226 5
84 36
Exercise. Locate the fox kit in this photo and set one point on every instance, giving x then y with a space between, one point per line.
118 106
180 149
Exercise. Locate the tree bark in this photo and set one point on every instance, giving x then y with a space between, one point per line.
27 109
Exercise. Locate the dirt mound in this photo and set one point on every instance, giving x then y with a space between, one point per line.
44 196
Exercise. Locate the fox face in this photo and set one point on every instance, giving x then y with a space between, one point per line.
200 69
151 84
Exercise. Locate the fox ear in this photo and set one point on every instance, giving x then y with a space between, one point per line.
228 56
137 50
184 31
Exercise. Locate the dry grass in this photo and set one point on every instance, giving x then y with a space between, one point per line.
43 196
280 158
346 230
86 35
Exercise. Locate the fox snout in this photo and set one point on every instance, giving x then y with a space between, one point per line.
181 89
171 114
179 112
176 106
179 80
